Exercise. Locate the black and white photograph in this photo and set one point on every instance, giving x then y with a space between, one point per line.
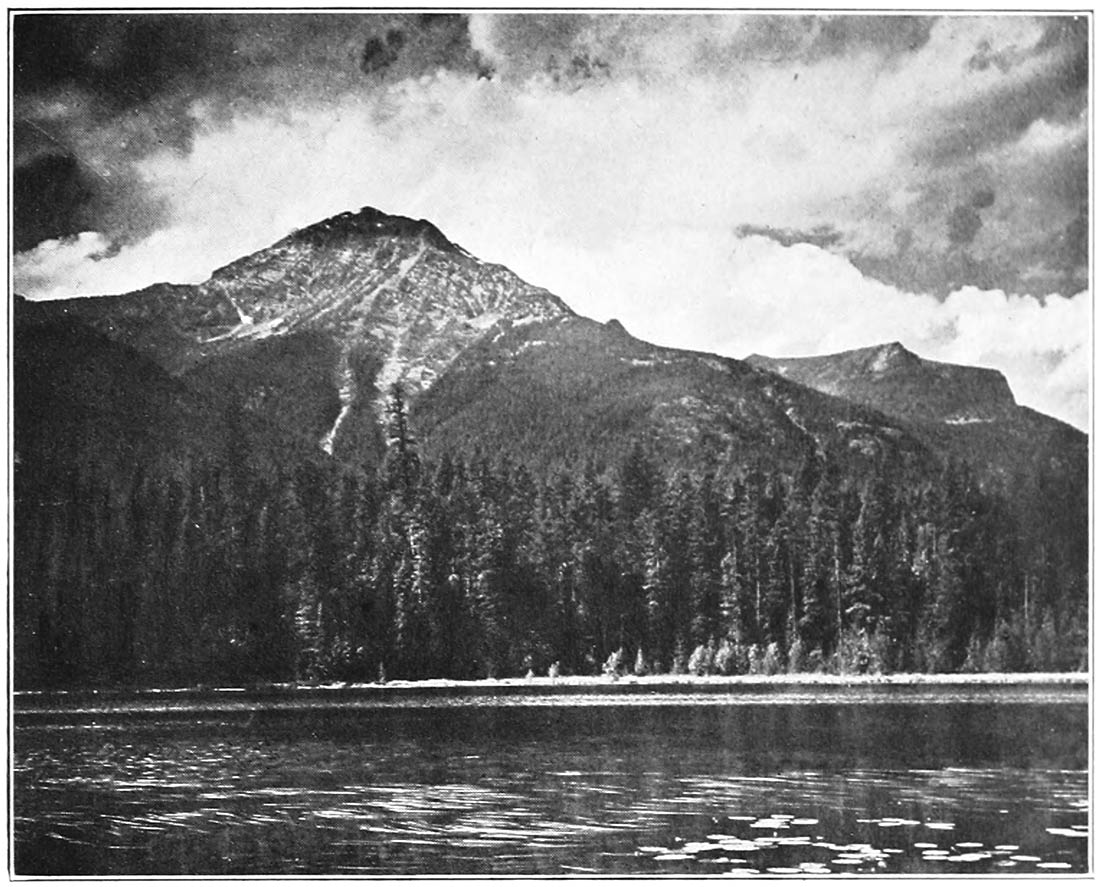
558 443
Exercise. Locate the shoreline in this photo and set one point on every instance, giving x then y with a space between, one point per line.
601 681
41 705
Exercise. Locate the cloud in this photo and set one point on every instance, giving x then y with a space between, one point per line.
103 93
752 294
90 263
51 197
622 161
866 125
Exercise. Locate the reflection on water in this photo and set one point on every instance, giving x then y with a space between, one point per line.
774 789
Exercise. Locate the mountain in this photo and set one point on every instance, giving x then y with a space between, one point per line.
313 331
363 450
969 414
897 382
966 412
337 311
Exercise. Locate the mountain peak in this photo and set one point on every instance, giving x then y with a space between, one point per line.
363 298
369 223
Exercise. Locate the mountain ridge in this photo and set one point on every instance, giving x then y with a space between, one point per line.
399 302
375 299
968 414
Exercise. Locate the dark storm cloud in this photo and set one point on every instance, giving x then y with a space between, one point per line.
51 196
96 94
125 60
379 53
935 272
1025 232
73 75
1021 139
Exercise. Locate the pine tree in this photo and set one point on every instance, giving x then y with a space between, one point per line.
639 483
401 466
864 599
820 622
705 541
751 524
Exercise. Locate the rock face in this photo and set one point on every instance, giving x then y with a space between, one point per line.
394 299
389 281
897 382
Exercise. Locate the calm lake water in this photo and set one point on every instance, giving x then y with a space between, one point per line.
566 787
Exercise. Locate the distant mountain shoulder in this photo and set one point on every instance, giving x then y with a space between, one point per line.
896 381
966 413
963 408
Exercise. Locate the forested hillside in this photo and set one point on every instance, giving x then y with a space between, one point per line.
210 570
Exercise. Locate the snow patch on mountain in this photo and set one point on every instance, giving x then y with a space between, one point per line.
347 392
967 420
485 321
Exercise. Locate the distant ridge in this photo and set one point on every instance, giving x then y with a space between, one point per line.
896 381
968 414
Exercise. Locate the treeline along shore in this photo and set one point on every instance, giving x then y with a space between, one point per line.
235 571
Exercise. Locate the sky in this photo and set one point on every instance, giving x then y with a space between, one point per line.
782 184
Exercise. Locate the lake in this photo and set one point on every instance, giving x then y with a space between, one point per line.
567 785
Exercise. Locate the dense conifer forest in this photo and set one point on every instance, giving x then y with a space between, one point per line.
208 570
